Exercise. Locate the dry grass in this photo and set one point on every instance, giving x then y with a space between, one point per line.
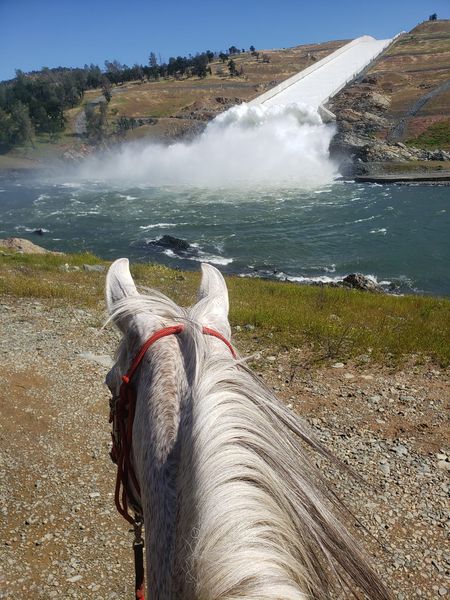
412 67
332 323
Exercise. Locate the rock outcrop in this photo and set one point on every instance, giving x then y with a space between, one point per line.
357 281
381 115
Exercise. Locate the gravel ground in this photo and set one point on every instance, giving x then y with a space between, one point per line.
61 536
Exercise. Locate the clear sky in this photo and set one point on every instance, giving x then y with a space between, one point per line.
37 33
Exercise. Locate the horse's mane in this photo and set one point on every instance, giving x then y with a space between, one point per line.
265 517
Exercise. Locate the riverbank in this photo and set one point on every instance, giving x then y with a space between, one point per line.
383 173
382 411
436 177
331 322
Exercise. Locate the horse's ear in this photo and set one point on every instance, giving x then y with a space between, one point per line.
119 284
213 296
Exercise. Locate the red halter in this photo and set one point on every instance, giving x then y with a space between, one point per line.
122 417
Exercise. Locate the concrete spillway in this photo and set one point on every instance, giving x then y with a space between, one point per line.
322 80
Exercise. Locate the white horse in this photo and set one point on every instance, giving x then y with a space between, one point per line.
233 506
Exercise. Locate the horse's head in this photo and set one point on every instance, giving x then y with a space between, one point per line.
151 382
139 316
160 350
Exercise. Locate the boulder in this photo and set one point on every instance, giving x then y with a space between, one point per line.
358 281
94 268
24 246
172 242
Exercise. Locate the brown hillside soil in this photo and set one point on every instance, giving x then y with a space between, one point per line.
61 535
179 105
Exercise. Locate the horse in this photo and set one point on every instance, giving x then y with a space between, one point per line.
232 504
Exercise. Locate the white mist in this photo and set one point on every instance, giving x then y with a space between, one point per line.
244 146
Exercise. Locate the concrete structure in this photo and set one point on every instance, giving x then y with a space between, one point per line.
322 80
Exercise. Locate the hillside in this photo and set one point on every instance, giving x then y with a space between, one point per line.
395 117
401 103
171 108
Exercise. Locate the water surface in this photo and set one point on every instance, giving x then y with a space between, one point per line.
398 234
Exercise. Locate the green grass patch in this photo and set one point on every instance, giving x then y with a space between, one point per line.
436 136
331 322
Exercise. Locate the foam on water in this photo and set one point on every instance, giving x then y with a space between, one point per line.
31 229
160 226
246 145
201 257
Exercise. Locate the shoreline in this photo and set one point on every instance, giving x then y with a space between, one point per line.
351 281
436 177
16 168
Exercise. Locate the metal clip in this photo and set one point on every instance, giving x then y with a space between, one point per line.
138 523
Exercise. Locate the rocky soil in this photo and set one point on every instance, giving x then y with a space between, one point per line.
404 92
61 536
362 113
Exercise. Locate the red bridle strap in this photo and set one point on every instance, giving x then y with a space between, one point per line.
174 329
219 336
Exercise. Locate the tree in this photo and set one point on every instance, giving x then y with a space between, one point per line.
96 122
232 68
252 48
153 63
123 124
6 130
114 71
233 50
199 65
433 17
106 89
22 127
223 57
136 73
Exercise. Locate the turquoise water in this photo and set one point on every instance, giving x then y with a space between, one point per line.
398 234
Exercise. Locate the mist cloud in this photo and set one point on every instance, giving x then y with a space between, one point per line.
246 145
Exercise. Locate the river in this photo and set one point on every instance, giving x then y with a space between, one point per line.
397 234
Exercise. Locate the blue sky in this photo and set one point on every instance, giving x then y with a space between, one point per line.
37 33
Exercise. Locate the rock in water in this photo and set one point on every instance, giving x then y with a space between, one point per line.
358 281
169 241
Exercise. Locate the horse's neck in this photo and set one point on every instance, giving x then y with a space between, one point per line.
157 444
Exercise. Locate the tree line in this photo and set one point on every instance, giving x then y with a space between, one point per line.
34 103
